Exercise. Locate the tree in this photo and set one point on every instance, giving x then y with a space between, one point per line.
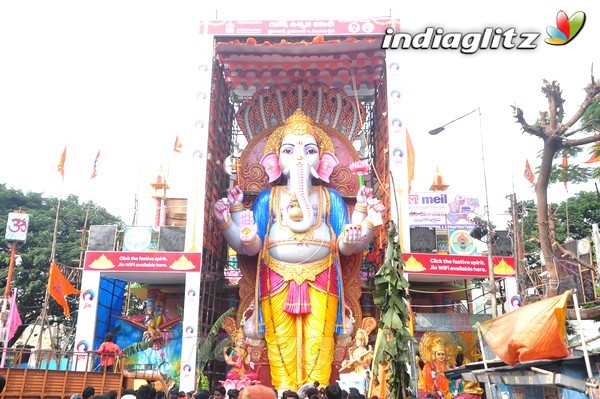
584 209
557 135
32 276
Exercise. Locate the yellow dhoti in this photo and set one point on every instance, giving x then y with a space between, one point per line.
300 346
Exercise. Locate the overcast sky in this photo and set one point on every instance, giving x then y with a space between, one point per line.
122 77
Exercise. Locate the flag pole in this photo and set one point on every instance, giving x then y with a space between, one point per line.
83 231
483 357
44 314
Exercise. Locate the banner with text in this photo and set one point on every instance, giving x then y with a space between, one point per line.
457 265
143 261
298 27
441 209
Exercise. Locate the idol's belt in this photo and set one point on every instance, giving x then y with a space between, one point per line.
299 272
322 243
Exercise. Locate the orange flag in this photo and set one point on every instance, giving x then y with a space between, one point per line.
61 163
59 287
96 164
410 159
565 165
528 173
178 145
532 332
595 157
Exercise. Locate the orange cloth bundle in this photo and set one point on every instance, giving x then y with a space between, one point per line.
533 332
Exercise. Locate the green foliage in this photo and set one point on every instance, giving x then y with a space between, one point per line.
32 276
391 295
574 173
592 114
204 383
210 347
584 209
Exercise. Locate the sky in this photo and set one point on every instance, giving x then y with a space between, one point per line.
122 77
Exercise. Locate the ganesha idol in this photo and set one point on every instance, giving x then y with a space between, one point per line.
299 231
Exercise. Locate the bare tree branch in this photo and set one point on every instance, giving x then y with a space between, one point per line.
568 254
543 120
582 128
555 104
527 128
582 141
592 90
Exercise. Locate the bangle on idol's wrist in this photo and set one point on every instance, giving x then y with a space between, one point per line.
368 223
236 207
360 208
225 224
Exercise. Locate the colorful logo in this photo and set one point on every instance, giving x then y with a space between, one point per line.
461 243
567 28
88 295
515 301
82 346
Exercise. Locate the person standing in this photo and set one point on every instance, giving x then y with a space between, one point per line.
366 383
108 352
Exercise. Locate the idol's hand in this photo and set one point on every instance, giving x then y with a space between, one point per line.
353 234
221 210
235 195
375 205
248 229
364 193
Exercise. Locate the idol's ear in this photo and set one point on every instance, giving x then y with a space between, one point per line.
270 162
326 165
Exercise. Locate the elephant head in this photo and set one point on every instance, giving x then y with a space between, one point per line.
299 149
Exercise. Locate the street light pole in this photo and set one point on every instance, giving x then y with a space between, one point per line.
493 301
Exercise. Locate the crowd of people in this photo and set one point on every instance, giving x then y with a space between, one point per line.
257 391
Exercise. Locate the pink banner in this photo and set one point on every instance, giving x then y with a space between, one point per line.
143 261
299 27
457 265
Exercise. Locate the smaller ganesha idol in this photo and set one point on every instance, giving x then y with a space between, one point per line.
237 357
359 358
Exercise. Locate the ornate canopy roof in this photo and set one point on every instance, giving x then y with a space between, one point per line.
354 65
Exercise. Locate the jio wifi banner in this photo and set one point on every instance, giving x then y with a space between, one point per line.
142 261
456 265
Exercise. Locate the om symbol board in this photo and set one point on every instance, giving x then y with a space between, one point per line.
16 226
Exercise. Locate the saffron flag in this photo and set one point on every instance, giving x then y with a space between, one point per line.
531 332
595 157
59 287
528 173
61 163
410 159
565 165
178 145
14 319
96 164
